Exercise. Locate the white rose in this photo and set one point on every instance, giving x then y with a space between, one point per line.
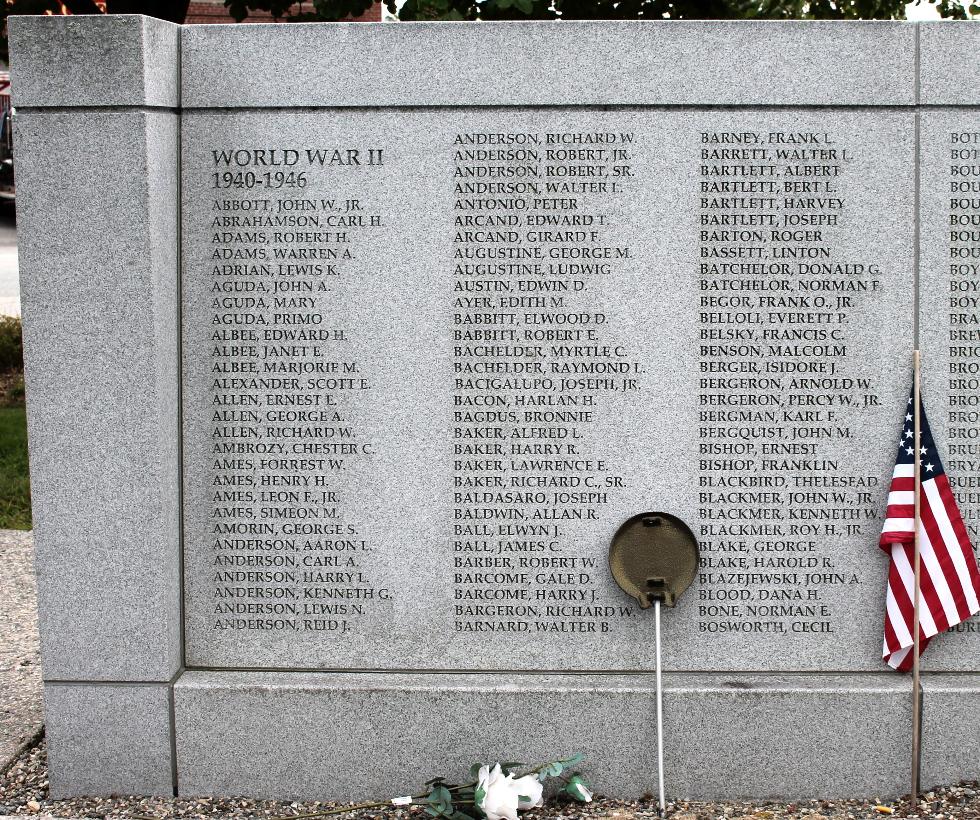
495 794
528 787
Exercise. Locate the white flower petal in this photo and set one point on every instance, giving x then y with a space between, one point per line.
530 787
500 801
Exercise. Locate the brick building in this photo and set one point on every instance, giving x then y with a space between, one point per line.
214 11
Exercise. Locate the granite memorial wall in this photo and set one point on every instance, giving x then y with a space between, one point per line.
349 347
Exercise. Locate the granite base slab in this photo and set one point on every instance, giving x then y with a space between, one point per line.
950 728
108 738
352 736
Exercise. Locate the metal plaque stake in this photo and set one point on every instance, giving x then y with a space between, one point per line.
660 714
654 558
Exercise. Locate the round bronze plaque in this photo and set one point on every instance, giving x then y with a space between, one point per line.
654 556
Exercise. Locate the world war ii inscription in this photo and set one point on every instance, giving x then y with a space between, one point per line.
284 383
444 363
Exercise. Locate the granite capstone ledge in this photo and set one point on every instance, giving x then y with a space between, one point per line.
549 63
91 60
61 61
949 62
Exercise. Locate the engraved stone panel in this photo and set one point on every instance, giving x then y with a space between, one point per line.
432 360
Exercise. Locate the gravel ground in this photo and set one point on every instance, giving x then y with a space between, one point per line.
24 791
20 667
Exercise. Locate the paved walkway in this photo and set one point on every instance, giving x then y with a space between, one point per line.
9 274
20 662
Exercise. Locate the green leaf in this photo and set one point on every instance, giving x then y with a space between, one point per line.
475 770
574 760
510 766
578 788
440 801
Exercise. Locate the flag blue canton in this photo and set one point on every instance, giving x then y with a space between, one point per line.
929 460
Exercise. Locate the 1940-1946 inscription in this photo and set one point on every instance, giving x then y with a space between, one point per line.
427 374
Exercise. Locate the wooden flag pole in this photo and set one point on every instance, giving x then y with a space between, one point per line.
917 566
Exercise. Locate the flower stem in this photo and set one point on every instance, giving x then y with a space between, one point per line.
343 810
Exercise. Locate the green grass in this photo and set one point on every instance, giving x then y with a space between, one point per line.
15 486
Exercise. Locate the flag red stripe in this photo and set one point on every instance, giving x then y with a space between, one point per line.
953 514
927 584
901 511
940 547
902 597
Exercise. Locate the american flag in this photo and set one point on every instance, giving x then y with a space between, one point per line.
950 579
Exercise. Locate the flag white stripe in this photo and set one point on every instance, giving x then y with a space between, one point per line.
895 661
904 471
901 498
897 620
952 545
930 563
898 525
927 626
